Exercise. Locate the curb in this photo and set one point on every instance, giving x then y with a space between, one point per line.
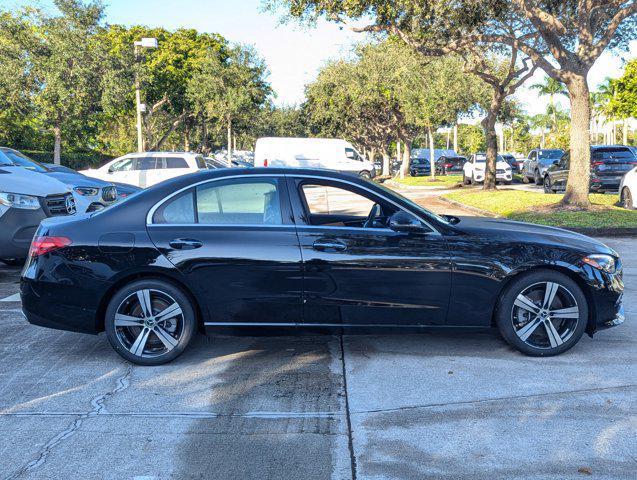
400 186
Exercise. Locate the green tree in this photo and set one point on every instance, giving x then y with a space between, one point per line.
573 32
550 87
229 90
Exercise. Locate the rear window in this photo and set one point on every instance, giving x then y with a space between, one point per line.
613 155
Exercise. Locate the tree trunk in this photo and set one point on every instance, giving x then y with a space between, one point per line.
579 174
386 160
229 160
186 137
432 155
448 138
57 148
625 132
372 155
404 166
399 158
455 138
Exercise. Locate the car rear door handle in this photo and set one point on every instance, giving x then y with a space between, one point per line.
323 246
185 244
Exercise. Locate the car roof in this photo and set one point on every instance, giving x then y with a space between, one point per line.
159 154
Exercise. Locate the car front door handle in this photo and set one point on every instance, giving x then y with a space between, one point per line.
185 244
323 246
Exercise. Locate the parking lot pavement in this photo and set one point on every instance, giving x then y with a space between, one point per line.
437 405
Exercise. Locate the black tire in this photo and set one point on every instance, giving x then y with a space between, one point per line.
165 294
626 199
535 325
465 180
536 177
365 174
548 187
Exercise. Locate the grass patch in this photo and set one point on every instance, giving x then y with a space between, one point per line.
541 208
425 181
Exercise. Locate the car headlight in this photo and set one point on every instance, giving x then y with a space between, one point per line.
87 191
17 200
606 263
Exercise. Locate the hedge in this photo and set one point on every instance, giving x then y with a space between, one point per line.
74 160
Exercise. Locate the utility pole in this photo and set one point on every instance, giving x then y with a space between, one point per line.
143 43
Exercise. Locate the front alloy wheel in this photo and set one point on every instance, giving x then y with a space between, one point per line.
543 313
548 188
150 322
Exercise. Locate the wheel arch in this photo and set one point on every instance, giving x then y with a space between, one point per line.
590 325
146 275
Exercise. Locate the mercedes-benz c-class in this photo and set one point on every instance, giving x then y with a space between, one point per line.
290 249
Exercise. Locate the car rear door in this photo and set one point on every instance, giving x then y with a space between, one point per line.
235 242
365 276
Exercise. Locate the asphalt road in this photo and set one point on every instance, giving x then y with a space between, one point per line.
437 405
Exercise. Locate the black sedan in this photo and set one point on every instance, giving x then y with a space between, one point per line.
303 249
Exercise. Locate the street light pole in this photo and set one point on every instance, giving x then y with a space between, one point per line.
143 43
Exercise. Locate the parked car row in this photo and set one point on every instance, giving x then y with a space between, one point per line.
31 191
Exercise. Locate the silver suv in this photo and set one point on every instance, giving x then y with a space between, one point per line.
538 161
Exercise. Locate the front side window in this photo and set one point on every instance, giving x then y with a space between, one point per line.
351 154
244 202
122 165
328 200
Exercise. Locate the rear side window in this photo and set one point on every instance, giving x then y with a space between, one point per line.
243 202
179 210
176 162
147 163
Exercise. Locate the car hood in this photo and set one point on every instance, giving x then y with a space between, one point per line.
500 165
78 180
503 230
23 181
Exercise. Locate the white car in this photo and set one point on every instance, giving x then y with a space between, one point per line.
628 189
26 198
148 168
328 153
473 171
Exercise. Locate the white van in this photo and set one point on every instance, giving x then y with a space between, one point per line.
328 153
148 168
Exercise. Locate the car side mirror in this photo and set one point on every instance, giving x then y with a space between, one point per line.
556 162
405 222
110 170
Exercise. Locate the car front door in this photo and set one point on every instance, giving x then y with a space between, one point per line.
559 172
235 242
123 171
358 272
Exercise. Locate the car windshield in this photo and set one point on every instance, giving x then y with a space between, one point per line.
4 160
613 155
20 160
482 158
549 155
414 206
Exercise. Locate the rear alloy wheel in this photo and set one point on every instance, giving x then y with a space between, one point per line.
465 180
150 322
543 313
627 199
548 188
365 174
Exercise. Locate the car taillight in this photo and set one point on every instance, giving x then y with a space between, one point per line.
448 165
42 245
596 164
265 162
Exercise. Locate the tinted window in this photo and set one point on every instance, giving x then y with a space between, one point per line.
327 200
147 163
555 154
240 202
613 154
180 209
176 162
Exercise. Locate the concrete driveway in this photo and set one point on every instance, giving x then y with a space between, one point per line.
437 405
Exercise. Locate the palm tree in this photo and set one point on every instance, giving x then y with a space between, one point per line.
549 88
604 96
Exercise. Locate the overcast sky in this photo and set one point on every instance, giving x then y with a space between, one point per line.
293 54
